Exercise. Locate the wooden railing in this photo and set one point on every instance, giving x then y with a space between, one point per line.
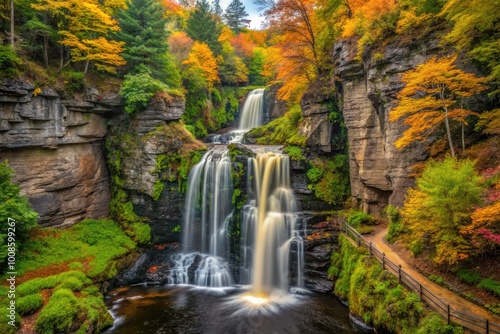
469 321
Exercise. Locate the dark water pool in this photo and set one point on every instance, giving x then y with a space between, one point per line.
185 309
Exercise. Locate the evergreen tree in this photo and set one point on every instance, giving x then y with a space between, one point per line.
235 15
143 31
217 8
202 27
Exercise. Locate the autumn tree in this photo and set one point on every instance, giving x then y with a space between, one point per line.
143 32
84 28
235 15
433 95
440 206
202 27
476 28
298 63
202 62
232 69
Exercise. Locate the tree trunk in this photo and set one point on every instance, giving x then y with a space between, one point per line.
61 56
87 62
12 23
463 138
46 50
448 132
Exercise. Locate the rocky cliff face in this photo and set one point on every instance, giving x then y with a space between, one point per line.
55 146
380 173
150 155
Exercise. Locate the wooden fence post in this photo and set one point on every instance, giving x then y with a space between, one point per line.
371 252
448 314
399 273
359 242
420 290
487 326
383 260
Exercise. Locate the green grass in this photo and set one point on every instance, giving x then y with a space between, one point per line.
98 241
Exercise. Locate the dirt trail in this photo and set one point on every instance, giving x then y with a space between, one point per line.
456 302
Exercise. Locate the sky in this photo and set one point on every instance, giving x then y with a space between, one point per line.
250 8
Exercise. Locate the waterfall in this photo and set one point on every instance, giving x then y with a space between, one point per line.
269 228
251 117
252 112
208 211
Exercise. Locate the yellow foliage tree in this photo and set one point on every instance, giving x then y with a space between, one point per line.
84 27
438 209
202 61
433 94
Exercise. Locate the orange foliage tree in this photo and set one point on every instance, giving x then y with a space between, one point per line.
433 95
296 24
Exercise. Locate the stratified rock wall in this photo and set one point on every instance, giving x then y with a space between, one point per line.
55 146
380 174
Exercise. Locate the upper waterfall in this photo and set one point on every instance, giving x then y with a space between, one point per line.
252 112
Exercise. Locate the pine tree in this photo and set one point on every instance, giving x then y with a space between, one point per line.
202 27
217 8
235 15
143 31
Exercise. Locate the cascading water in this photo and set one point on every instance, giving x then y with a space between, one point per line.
251 117
251 114
208 210
269 226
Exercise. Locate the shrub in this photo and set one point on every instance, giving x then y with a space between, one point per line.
73 81
14 210
138 89
436 279
9 61
433 323
359 217
330 179
396 224
490 285
468 276
29 304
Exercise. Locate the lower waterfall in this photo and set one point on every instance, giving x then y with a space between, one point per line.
270 237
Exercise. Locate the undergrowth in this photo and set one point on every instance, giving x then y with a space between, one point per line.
376 296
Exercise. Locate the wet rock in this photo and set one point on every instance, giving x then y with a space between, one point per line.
319 243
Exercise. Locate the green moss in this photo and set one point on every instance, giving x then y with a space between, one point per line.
283 130
329 179
468 276
29 304
295 153
158 189
59 313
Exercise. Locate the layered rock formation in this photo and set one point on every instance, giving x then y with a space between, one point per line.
54 145
147 155
380 173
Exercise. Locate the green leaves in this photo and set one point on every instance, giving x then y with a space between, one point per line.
138 89
439 207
